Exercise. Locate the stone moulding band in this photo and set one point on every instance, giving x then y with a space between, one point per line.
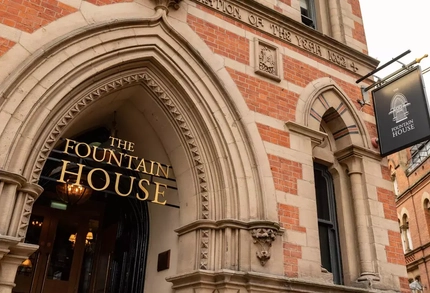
254 282
149 82
277 25
229 223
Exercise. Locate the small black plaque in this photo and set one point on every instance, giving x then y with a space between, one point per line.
163 261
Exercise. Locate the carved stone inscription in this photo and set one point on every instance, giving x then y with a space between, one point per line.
309 45
282 32
267 60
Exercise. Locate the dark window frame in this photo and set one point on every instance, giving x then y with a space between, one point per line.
309 18
332 243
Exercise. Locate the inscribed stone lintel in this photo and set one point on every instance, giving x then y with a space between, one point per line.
320 46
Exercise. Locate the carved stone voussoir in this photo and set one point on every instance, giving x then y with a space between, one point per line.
263 237
165 4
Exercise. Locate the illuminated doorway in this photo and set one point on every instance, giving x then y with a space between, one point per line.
98 244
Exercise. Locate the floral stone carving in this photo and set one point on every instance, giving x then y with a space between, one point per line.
267 60
165 4
263 238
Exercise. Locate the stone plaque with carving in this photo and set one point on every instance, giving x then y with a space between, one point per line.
267 60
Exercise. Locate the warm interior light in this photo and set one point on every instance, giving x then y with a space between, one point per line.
72 238
90 235
27 263
73 193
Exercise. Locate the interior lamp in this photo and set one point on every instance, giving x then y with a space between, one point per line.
73 193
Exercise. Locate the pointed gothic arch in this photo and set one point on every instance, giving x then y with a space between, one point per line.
340 141
213 141
324 100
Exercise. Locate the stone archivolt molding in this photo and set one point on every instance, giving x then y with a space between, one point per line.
146 79
101 91
26 194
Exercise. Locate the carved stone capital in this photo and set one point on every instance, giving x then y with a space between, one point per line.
12 178
165 4
263 237
6 242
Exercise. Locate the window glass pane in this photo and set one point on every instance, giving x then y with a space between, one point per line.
25 273
323 231
62 253
34 229
321 196
87 263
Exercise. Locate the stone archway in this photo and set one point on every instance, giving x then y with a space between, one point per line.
228 193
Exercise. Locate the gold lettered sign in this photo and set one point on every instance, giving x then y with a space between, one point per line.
119 159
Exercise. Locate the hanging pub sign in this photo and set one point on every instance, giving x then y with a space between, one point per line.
402 113
111 168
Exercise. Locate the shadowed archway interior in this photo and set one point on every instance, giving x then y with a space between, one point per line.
117 237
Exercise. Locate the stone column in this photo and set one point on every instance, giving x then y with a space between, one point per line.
10 263
336 20
362 220
16 202
21 213
9 184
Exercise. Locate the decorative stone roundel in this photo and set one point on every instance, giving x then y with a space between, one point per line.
144 78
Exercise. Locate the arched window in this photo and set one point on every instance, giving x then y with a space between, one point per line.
327 223
405 234
415 285
307 10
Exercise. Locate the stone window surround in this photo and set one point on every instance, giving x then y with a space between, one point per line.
346 168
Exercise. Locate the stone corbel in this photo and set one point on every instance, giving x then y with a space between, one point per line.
10 262
165 4
317 137
5 243
263 237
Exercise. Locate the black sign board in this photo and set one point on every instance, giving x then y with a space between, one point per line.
402 113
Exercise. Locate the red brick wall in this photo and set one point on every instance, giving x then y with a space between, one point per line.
30 15
386 173
418 218
292 254
289 217
273 135
404 285
302 74
355 5
387 198
221 41
358 32
288 2
5 45
285 174
266 98
395 249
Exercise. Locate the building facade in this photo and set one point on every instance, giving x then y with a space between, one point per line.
410 174
191 146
